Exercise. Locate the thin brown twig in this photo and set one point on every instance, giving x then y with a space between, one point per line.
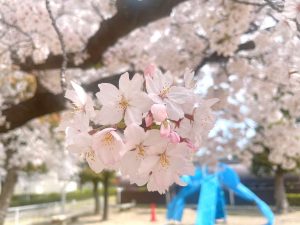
269 3
250 3
62 45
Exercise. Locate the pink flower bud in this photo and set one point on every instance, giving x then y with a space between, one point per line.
149 120
150 70
159 112
165 129
174 137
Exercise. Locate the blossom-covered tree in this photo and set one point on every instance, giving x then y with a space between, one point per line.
190 23
36 147
262 92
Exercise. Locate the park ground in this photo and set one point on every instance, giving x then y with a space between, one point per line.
141 215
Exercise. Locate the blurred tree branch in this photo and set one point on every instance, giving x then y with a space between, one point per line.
45 102
129 17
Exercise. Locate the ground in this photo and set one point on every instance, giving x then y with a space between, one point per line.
141 216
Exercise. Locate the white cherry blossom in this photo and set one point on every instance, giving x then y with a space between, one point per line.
108 146
161 90
128 102
165 164
197 125
137 145
81 100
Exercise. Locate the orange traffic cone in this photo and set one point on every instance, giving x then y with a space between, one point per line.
153 212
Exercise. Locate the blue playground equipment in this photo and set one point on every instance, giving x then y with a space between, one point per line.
211 204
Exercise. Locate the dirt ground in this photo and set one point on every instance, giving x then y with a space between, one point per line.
236 216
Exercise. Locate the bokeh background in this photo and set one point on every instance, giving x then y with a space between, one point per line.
244 52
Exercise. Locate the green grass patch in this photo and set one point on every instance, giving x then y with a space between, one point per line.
30 199
294 199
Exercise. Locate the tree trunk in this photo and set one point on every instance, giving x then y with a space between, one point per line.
7 192
96 197
281 201
105 193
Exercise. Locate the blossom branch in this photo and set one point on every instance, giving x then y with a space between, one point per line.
110 31
216 58
43 103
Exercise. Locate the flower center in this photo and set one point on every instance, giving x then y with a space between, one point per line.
165 123
140 150
108 139
90 154
123 104
164 92
164 160
77 108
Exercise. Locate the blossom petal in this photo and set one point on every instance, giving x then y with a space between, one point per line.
133 115
179 94
134 134
137 81
109 114
130 163
124 83
174 110
153 138
108 94
82 96
72 96
96 165
142 101
148 164
128 86
152 86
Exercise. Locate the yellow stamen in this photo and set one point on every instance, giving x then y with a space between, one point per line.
108 139
165 123
123 104
75 107
164 92
164 160
141 150
90 154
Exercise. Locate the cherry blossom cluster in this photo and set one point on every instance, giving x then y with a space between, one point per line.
147 129
259 90
157 41
281 142
224 24
24 25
